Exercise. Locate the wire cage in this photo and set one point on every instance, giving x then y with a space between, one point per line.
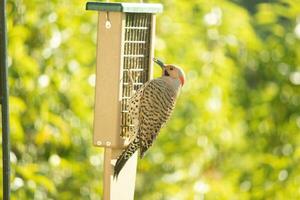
135 61
124 51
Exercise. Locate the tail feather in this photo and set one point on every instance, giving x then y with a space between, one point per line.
119 165
126 154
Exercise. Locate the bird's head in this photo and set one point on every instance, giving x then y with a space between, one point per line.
171 70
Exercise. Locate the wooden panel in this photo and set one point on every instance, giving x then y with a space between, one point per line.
123 187
108 80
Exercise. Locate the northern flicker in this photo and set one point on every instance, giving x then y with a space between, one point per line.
149 108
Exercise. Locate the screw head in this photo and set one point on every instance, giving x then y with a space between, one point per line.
107 25
99 143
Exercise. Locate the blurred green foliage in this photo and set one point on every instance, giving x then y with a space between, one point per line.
234 133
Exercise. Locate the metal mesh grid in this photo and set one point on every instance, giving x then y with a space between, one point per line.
136 61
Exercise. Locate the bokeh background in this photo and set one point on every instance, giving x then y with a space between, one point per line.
235 133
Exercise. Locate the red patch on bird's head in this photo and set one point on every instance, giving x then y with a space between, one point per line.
181 76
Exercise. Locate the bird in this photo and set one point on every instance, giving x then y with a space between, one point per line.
149 109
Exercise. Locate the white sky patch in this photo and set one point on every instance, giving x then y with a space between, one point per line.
297 30
55 40
214 104
283 174
52 17
17 183
92 80
43 80
201 187
13 157
73 66
54 160
295 78
46 53
95 160
214 17
9 61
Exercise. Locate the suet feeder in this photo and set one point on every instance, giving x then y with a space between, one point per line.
125 47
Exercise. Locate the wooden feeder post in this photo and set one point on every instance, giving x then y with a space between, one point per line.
125 48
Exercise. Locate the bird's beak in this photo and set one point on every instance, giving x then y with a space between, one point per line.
159 62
